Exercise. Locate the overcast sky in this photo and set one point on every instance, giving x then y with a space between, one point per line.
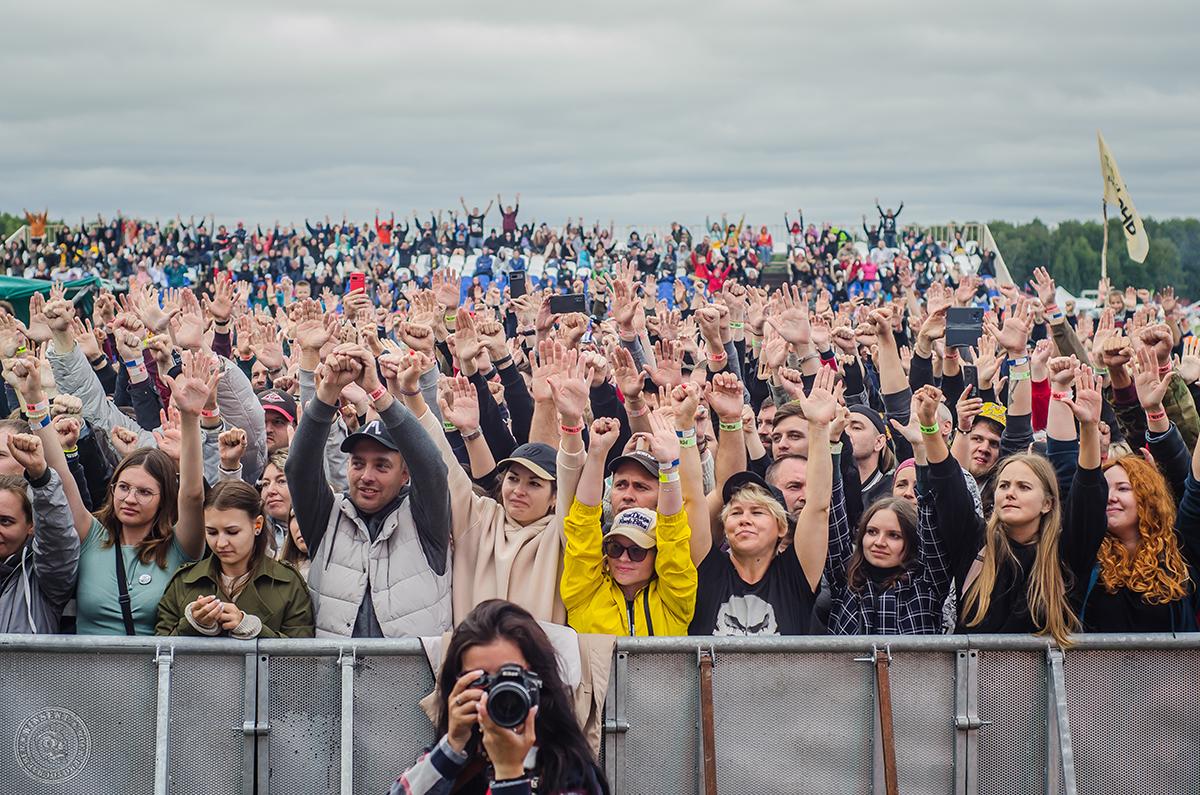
639 111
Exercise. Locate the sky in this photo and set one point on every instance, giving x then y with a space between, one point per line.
642 112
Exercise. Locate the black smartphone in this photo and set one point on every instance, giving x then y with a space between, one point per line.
964 326
567 304
516 284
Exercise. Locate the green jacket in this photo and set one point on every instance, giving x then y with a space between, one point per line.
277 594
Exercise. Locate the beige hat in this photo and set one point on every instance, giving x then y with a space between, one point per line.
636 524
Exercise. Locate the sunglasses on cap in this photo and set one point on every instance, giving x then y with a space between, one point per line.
614 549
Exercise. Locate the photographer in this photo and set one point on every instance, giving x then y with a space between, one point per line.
474 754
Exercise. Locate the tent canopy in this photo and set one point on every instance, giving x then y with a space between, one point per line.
18 291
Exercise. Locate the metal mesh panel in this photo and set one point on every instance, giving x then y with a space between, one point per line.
923 718
77 723
390 728
305 715
1012 751
793 722
660 746
207 710
1135 720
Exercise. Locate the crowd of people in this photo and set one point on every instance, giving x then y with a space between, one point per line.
246 443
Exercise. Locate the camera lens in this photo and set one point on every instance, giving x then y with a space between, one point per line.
508 704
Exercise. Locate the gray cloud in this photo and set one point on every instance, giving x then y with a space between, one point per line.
639 112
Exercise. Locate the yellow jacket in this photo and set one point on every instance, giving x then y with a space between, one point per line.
594 601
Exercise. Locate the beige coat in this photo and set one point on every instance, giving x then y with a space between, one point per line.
495 558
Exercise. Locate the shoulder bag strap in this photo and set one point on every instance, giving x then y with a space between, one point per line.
123 585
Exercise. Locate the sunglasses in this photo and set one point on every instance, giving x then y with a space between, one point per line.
614 549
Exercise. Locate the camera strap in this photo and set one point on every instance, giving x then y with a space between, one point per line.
708 734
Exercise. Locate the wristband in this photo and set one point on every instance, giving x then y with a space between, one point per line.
36 423
1155 416
449 427
133 364
475 434
21 350
668 467
208 415
930 430
502 360
1050 308
718 357
730 426
528 332
1164 369
377 393
808 356
406 393
1020 360
450 316
639 412
668 477
1060 395
1100 370
951 353
71 451
737 324
571 428
1019 375
687 441
690 433
99 360
835 448
37 408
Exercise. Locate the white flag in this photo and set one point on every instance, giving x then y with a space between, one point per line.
989 244
1116 193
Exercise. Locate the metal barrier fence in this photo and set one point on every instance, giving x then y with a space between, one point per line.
974 715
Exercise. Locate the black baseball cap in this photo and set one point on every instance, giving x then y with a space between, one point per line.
374 431
277 400
640 457
746 478
538 458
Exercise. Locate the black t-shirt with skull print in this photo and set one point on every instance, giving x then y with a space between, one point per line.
781 603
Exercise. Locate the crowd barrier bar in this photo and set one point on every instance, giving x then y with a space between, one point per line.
342 716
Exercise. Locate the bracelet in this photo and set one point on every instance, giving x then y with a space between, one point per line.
808 356
731 426
449 427
571 428
687 441
37 408
406 393
737 324
449 316
71 450
718 357
643 411
1020 360
1164 369
133 364
836 448
668 477
101 359
951 353
377 393
1050 307
667 467
38 422
1100 370
528 332
1060 395
1155 416
1019 375
505 359
208 415
690 433
475 434
930 430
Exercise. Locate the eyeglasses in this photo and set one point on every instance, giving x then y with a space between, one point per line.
123 490
614 549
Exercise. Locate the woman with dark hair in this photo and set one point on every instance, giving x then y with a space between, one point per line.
475 754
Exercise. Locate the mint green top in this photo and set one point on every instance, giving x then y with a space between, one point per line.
98 597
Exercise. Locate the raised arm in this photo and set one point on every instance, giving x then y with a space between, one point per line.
56 544
192 392
811 543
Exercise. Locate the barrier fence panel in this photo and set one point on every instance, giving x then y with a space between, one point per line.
972 715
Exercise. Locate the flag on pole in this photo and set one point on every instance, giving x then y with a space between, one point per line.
989 244
1117 194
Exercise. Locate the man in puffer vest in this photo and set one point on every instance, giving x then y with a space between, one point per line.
380 551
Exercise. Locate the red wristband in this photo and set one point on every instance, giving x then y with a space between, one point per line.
643 411
1060 395
571 428
377 393
1155 416
208 415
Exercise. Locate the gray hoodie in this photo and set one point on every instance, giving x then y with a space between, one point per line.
44 571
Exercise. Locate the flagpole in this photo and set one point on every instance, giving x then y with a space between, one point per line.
1104 245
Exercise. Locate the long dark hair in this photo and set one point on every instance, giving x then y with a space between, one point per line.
563 752
161 467
906 517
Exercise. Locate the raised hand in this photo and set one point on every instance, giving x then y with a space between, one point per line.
604 434
570 387
669 358
1088 400
1044 284
1158 338
663 442
1018 323
192 389
926 401
725 397
24 375
791 321
629 379
231 446
220 306
820 405
987 361
1150 382
1062 372
1189 362
460 404
26 450
123 440
967 408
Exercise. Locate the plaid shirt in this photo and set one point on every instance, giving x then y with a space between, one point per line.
913 605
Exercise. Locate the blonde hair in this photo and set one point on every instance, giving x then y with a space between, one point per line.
754 494
1046 592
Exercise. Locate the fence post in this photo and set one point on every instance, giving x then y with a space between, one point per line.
966 722
616 724
162 729
346 662
1059 754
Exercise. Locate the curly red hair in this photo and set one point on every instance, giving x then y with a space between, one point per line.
1156 569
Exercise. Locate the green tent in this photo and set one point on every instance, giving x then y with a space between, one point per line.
18 292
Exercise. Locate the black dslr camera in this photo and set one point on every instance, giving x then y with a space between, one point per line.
512 692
